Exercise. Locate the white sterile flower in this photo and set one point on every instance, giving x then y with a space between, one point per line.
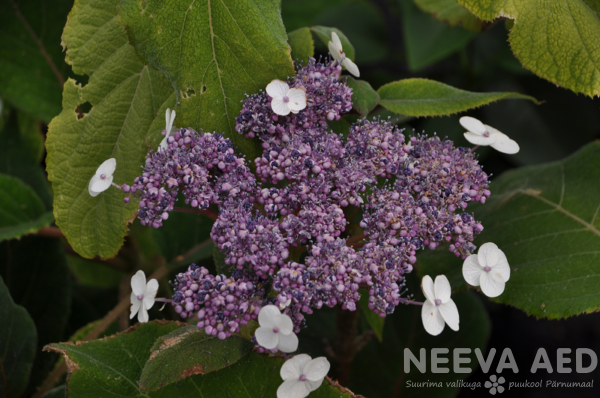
484 135
169 119
302 375
488 269
276 330
286 99
142 296
438 308
103 178
335 48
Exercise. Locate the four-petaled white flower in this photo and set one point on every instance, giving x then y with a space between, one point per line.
438 308
169 119
142 296
103 178
276 330
335 48
302 375
484 135
286 99
488 269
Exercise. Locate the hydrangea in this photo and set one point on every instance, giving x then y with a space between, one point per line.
283 229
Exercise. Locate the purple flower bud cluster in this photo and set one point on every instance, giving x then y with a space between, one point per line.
203 166
286 225
327 98
222 304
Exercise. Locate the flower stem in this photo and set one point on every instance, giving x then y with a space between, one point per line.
354 239
344 344
407 301
208 213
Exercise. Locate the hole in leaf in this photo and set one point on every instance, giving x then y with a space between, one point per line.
203 89
190 92
83 110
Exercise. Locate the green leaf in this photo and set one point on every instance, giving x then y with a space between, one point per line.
428 41
181 233
213 53
92 273
364 98
31 135
17 345
375 321
21 210
128 102
36 274
324 33
32 70
545 219
423 97
451 12
16 160
189 351
556 40
111 368
302 43
378 369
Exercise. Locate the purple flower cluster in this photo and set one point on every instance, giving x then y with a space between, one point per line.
222 304
285 227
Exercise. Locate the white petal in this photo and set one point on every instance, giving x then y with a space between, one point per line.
170 119
143 314
473 125
336 52
138 283
280 107
488 255
472 270
94 179
501 272
489 286
266 337
287 342
336 40
164 145
449 312
505 145
135 305
427 287
150 293
317 369
267 316
277 89
293 389
442 288
284 323
297 99
351 67
101 185
294 367
108 167
432 319
480 139
313 385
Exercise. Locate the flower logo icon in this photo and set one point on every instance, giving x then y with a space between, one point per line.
494 384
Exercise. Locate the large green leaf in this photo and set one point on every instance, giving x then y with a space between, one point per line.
17 345
21 210
189 351
36 274
32 70
128 102
364 98
302 44
423 97
556 40
428 41
545 219
111 367
213 52
451 12
378 370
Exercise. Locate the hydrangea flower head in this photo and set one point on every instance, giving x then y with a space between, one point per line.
276 330
337 52
142 296
488 268
302 375
285 99
438 309
484 135
103 178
